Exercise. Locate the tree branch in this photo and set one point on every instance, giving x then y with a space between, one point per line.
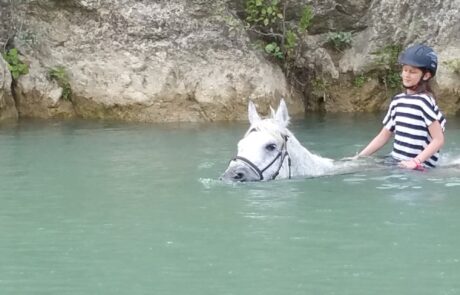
266 34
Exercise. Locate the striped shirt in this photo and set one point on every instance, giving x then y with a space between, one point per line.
408 117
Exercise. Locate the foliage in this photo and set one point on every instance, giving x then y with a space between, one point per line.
232 23
387 60
320 87
263 12
274 49
60 76
453 65
388 55
393 80
15 65
306 18
267 19
291 39
339 40
359 81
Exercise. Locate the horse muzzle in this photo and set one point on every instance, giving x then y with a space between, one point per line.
239 172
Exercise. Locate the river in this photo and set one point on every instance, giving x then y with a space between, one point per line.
127 208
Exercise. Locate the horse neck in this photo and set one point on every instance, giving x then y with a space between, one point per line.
303 162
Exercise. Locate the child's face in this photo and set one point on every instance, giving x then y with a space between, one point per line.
412 75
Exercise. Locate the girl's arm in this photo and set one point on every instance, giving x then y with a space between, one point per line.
379 141
435 145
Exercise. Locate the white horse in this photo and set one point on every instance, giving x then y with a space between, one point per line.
270 151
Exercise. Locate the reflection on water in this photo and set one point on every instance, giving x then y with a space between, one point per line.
113 208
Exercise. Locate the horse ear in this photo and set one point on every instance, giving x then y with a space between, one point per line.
252 113
281 115
272 111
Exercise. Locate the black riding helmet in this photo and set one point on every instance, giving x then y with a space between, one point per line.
420 56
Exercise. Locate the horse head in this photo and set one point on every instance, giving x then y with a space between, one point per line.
270 151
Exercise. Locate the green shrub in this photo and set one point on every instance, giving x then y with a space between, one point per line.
359 81
266 18
59 75
388 55
320 85
291 39
274 50
264 12
306 18
15 65
393 79
388 67
339 40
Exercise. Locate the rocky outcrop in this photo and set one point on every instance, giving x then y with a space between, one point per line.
385 23
144 61
38 96
7 106
192 60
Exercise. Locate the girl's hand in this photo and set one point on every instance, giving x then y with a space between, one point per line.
354 158
411 164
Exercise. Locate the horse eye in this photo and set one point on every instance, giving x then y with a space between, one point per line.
270 147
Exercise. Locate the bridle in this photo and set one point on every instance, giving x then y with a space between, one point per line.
282 154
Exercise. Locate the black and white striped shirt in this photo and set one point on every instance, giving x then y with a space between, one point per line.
408 117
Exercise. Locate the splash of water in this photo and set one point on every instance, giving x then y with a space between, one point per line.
449 160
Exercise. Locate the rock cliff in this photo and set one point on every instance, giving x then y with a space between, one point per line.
387 23
7 106
193 60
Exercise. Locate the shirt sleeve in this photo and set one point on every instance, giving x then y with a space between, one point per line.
429 110
389 119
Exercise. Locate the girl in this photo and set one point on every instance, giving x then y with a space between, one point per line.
413 116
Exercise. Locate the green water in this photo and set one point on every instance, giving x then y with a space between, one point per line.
113 208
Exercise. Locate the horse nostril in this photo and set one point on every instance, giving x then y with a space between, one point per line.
238 176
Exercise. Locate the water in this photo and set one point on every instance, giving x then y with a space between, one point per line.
113 208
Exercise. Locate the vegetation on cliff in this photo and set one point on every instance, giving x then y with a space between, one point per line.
267 19
15 65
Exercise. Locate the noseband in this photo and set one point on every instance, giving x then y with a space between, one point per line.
283 153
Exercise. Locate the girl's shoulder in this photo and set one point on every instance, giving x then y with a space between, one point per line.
423 96
428 97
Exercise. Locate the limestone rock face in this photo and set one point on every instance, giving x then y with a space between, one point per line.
192 60
435 23
144 61
382 24
39 97
337 15
7 106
